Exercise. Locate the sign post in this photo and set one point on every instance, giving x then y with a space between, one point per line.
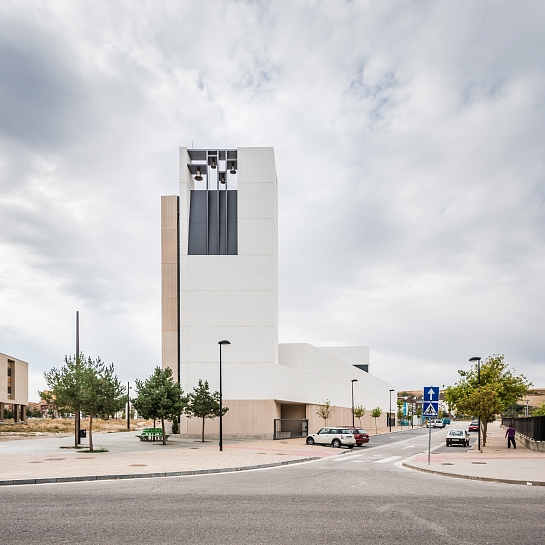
430 409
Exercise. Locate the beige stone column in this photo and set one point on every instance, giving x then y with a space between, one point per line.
16 412
1 412
23 413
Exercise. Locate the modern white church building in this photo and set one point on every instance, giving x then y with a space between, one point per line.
220 282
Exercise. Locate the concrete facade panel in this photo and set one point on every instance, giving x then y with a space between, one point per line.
231 308
257 236
257 201
239 273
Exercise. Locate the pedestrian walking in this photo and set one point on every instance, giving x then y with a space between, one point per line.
510 434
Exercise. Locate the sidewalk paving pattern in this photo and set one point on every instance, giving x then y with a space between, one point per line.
43 460
495 463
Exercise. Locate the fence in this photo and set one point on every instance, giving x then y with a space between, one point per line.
532 427
285 428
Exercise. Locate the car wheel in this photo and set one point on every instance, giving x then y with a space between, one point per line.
336 443
310 441
350 446
448 445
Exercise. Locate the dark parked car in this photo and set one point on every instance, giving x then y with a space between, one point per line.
360 435
473 426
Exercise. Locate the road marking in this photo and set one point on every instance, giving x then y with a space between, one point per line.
389 459
410 446
361 461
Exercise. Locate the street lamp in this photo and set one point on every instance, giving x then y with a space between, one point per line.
221 394
527 401
478 360
128 406
353 380
390 413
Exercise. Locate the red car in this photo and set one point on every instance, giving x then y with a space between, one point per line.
360 435
473 426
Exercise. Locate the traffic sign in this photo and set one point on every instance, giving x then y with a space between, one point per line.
431 393
431 409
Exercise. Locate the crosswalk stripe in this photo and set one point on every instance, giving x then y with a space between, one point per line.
385 460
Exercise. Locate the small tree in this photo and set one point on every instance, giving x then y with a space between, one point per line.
325 410
203 404
159 397
399 410
539 410
66 386
376 413
494 380
359 412
102 393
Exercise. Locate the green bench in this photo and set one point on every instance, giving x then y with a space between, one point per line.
152 434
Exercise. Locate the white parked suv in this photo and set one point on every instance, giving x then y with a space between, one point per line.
336 437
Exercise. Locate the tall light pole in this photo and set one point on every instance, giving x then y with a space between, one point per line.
128 406
527 401
353 380
478 360
390 413
221 343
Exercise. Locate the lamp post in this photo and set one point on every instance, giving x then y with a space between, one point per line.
390 413
353 380
221 343
527 401
129 406
478 360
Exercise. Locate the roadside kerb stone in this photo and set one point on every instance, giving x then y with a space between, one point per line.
153 475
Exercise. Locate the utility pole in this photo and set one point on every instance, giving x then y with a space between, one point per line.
77 420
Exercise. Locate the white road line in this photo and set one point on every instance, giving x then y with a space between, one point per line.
410 446
389 459
361 461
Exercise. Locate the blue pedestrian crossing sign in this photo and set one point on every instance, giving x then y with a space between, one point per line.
430 409
431 393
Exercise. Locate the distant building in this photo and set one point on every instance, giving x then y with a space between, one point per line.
13 387
219 240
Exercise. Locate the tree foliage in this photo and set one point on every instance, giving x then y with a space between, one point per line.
540 410
497 389
325 410
204 404
159 397
376 413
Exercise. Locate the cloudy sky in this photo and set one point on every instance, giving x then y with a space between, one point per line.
409 141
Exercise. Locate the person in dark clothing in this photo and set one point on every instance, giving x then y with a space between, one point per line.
510 434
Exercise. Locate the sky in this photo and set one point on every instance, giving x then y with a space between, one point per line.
409 139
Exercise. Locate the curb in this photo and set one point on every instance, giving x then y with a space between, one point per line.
474 478
52 480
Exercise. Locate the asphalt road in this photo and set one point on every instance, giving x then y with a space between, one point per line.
362 496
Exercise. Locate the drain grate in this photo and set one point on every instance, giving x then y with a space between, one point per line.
447 464
139 465
483 463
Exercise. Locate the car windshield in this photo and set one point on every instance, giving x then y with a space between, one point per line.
456 432
362 431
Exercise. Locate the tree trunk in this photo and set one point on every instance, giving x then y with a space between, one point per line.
202 441
91 431
163 426
484 426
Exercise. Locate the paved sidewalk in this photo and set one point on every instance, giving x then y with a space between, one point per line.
43 460
495 463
